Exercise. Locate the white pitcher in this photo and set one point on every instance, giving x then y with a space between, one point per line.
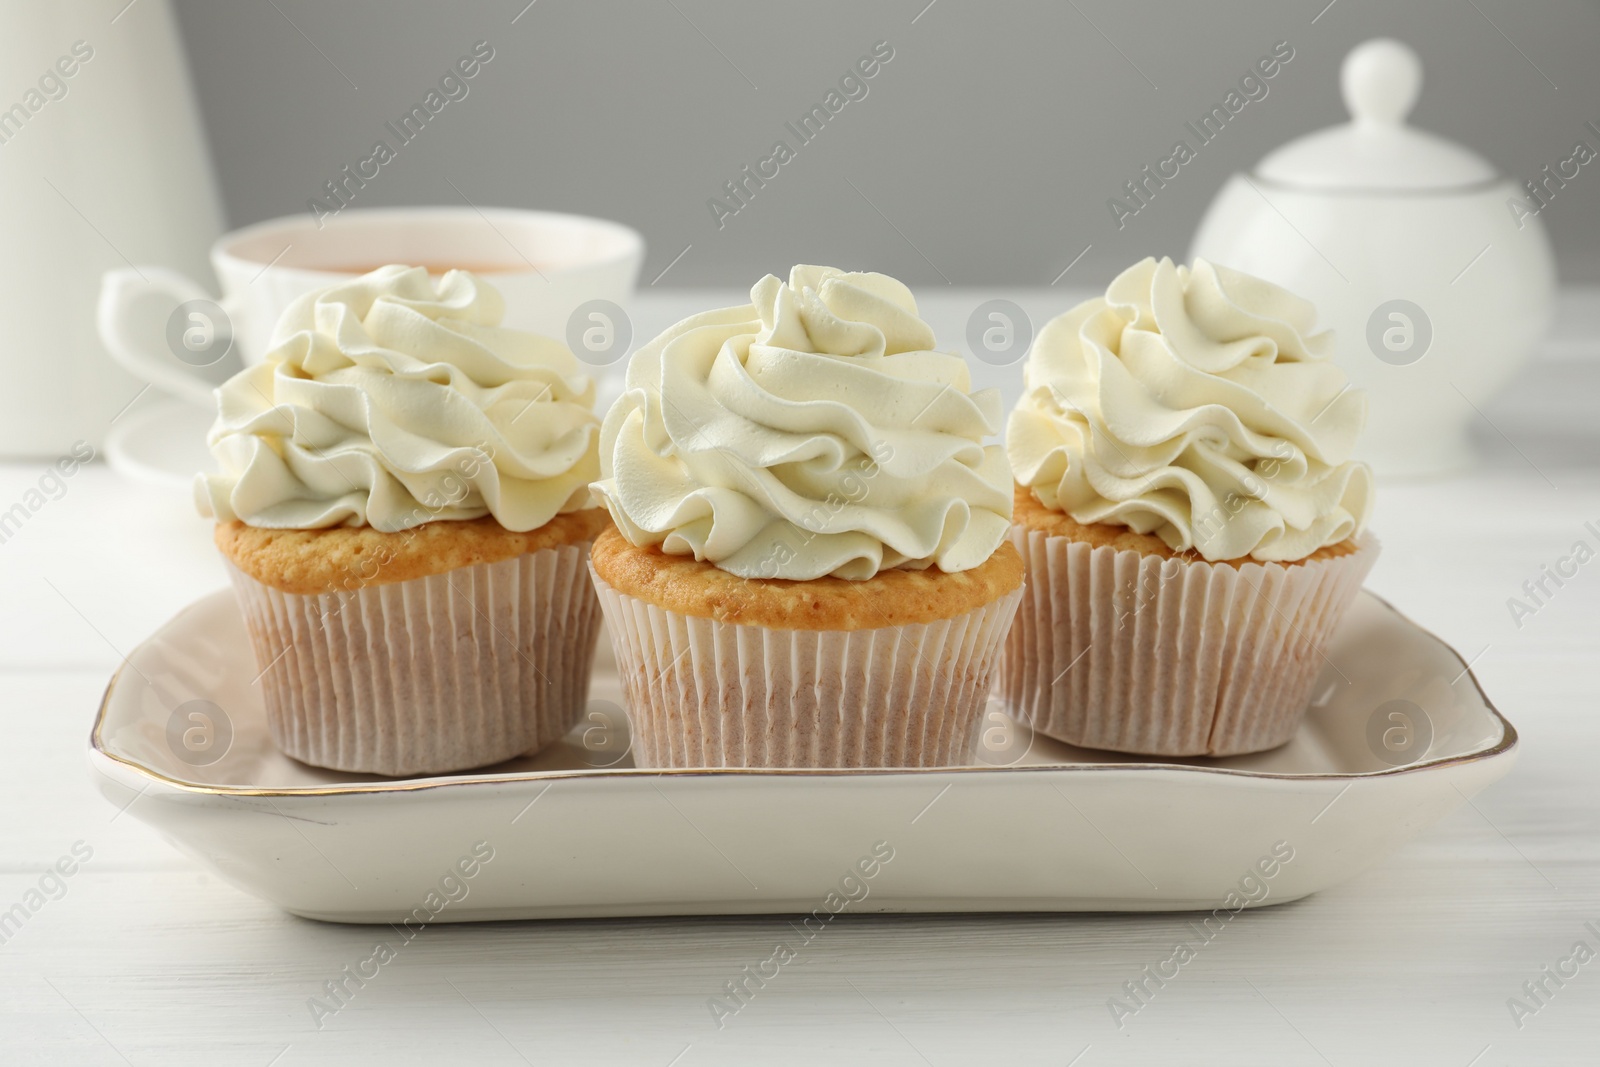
1434 274
102 165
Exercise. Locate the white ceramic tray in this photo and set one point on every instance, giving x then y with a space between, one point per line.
577 831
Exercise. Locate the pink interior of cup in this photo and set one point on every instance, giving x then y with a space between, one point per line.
496 240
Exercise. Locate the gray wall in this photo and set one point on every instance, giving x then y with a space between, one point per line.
983 152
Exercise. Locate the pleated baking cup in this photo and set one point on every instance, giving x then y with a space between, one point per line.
706 693
1163 657
454 670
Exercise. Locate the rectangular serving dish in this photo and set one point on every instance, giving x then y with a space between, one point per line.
1032 825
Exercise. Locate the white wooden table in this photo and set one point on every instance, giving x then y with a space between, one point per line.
146 959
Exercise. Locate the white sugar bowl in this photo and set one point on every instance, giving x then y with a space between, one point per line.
1431 268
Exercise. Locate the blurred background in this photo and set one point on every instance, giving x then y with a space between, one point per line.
997 157
983 153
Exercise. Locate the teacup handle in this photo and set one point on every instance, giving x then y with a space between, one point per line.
195 352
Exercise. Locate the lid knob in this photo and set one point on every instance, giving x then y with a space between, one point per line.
1380 81
1376 151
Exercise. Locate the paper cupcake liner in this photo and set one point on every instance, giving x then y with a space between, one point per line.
704 693
429 675
1133 653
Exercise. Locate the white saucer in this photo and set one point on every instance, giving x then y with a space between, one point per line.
577 831
162 443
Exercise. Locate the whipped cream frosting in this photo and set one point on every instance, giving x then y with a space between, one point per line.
394 399
814 431
1198 405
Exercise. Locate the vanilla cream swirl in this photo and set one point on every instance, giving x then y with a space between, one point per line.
392 400
1195 404
814 431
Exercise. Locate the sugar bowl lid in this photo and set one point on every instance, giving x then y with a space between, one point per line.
1376 150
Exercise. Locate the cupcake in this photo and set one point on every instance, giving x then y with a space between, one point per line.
1190 517
403 504
809 566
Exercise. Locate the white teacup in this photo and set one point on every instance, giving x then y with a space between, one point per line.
167 330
